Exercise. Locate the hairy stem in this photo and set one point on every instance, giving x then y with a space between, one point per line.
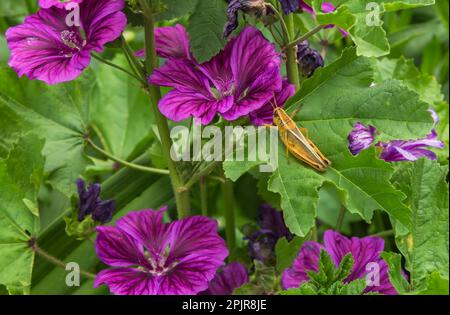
125 163
203 183
230 226
55 261
305 36
182 196
291 53
384 233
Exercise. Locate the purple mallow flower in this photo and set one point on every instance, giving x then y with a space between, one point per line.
152 258
45 4
308 59
231 277
262 243
366 254
254 7
361 138
90 203
238 81
44 47
264 115
290 6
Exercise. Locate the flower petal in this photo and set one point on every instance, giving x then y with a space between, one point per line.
361 138
128 281
307 260
231 277
102 21
116 248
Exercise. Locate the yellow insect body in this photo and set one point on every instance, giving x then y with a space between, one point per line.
297 143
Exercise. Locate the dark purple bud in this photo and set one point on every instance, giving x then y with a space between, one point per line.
254 7
272 220
290 6
90 203
308 59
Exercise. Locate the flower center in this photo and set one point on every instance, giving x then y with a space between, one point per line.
72 40
158 263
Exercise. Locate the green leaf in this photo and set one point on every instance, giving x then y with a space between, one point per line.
21 175
57 113
177 8
394 262
426 246
205 29
122 119
287 251
341 17
355 287
435 285
305 289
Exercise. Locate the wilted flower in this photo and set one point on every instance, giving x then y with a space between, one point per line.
262 242
361 138
45 4
308 59
264 115
365 251
255 7
152 258
239 80
290 6
231 277
44 47
90 203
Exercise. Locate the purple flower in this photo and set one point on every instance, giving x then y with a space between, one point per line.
412 150
239 80
44 47
152 258
255 7
90 203
290 6
361 138
264 115
308 59
262 242
231 277
170 42
45 4
365 251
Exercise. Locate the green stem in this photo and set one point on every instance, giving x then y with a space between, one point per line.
125 163
230 227
204 172
291 53
55 261
181 193
118 67
204 195
305 36
282 22
340 219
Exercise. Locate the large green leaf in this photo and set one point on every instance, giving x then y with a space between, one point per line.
426 247
177 8
21 175
122 119
332 101
57 113
206 28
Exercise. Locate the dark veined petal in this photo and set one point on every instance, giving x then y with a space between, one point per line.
307 260
361 138
128 281
231 277
117 248
102 21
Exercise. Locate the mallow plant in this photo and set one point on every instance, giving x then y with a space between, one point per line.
97 98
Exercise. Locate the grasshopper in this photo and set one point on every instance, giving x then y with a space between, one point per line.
297 142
